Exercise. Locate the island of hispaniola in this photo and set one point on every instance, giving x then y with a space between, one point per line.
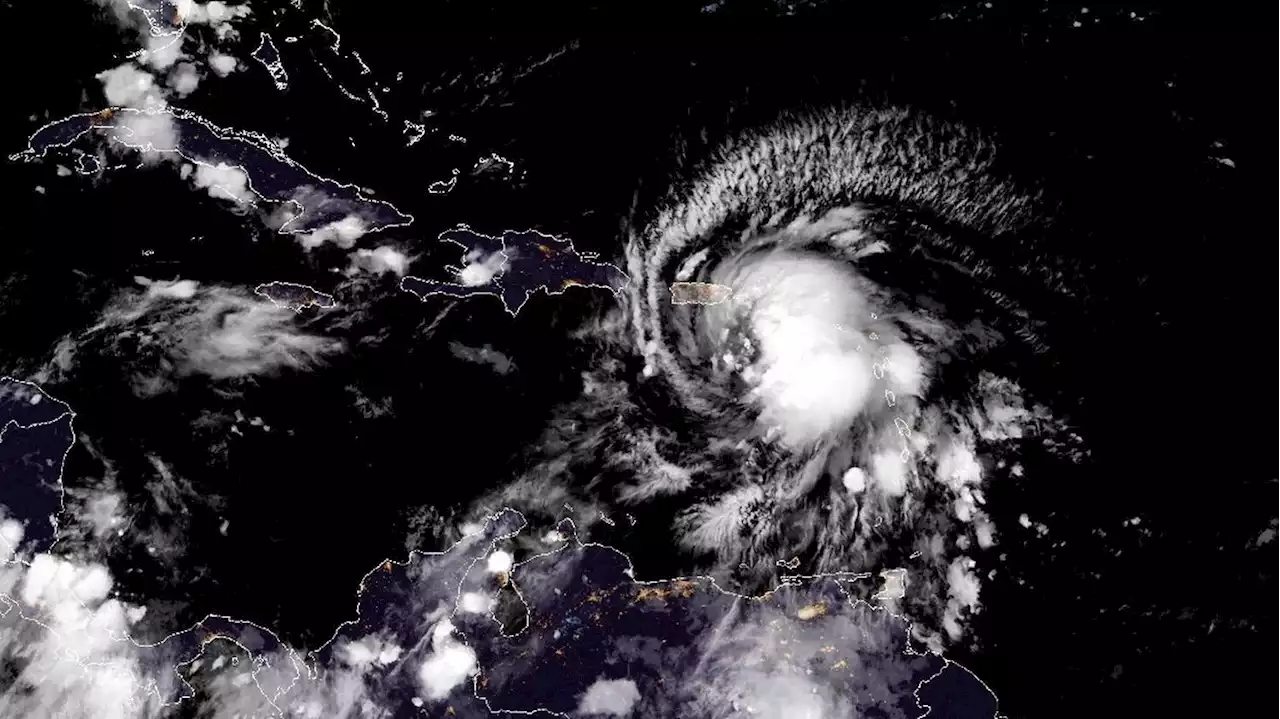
515 265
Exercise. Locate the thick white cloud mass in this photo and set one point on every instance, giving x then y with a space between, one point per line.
184 79
610 697
222 64
129 86
161 47
814 374
379 260
481 268
221 180
449 665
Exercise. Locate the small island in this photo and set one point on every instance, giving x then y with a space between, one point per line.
699 293
292 296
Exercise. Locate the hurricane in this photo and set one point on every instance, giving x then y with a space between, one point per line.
853 400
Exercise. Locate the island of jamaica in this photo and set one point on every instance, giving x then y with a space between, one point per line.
293 296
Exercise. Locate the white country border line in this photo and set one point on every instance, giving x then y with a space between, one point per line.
585 258
495 281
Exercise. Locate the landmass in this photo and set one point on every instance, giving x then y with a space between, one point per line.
293 296
36 434
554 626
572 631
515 265
699 293
315 203
268 56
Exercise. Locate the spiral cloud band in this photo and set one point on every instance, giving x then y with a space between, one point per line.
829 409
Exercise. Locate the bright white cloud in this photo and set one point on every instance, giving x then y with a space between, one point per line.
449 664
963 588
151 134
213 13
475 603
499 561
854 480
221 180
128 86
610 697
480 270
177 289
811 378
64 646
184 79
378 261
905 370
369 652
222 64
342 233
890 472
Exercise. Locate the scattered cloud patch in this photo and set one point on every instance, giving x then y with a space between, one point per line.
178 329
342 233
175 289
161 51
369 652
485 355
378 261
153 135
214 13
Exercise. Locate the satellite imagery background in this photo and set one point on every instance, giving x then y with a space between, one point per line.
802 359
